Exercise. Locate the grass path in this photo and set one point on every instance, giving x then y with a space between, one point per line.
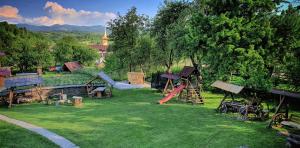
133 119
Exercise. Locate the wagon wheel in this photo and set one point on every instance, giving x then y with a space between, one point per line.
243 113
278 118
262 114
223 109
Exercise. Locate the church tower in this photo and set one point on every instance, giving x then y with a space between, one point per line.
105 39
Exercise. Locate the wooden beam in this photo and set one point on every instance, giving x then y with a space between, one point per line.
282 98
169 82
225 96
10 98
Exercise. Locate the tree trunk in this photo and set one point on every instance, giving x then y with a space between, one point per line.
270 71
169 69
169 63
141 66
198 72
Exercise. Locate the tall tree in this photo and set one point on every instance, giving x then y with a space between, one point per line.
63 50
237 38
167 15
287 43
68 49
142 52
125 32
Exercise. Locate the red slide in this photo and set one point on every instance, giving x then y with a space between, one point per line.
172 94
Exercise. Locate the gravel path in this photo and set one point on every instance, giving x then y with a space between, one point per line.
57 139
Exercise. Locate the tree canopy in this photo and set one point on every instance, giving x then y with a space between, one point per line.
126 35
249 42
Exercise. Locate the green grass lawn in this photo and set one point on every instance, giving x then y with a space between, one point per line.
13 136
133 119
68 78
65 78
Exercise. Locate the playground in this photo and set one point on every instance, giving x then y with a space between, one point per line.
132 118
97 110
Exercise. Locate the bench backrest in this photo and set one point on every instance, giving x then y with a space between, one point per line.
295 118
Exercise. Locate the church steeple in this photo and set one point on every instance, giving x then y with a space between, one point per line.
105 39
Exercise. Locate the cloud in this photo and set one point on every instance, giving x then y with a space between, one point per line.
71 16
9 12
57 14
44 20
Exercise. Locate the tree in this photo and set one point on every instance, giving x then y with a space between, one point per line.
43 55
24 50
85 55
63 50
167 15
68 49
237 39
125 32
142 52
287 43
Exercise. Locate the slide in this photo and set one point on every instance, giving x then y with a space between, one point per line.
172 94
117 85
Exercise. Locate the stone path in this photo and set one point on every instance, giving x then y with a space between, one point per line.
57 139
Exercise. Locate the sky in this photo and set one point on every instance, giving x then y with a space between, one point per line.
71 12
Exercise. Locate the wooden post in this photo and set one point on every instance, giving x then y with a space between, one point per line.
246 113
167 84
286 110
172 86
38 90
10 97
39 71
232 96
225 96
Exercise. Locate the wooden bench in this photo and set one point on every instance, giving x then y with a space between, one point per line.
293 139
294 122
99 91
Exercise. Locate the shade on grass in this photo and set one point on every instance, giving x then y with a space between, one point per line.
132 118
13 136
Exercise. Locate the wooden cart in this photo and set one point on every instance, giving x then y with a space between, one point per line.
249 108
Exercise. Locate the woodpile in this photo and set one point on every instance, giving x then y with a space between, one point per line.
136 77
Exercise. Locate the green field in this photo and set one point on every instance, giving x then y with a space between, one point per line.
133 119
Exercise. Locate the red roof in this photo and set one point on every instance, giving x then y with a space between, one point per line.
101 48
2 53
72 66
4 71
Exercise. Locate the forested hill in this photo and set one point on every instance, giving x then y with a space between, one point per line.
25 50
64 28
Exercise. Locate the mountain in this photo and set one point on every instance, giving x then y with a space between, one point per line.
64 28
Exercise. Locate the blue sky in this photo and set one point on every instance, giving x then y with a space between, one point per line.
74 12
